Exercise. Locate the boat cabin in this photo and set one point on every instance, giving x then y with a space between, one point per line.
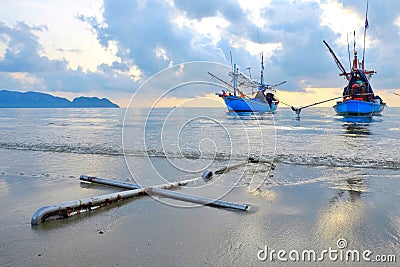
358 87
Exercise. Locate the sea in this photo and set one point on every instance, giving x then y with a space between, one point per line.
318 182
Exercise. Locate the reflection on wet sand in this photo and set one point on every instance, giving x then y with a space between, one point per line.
394 230
344 214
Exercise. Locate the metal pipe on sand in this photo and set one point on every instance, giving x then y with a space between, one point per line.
169 194
70 208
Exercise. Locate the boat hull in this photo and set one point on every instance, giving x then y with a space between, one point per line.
358 108
237 104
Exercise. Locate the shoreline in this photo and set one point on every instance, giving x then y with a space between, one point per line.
290 213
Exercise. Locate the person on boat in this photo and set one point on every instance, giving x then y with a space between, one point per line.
353 91
364 92
260 96
346 92
270 97
358 91
223 93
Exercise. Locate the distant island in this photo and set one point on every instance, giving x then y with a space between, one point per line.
13 99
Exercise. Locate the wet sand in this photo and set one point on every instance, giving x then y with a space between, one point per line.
299 208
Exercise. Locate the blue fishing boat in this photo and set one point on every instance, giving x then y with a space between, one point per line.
358 108
262 98
243 104
358 97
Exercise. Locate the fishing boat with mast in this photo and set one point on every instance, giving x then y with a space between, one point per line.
262 98
359 100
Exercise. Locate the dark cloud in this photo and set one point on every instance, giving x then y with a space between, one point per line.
78 81
199 9
303 60
23 51
141 29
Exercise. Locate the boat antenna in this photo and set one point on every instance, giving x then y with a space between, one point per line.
234 79
249 72
262 70
230 53
234 74
250 79
262 60
348 50
365 33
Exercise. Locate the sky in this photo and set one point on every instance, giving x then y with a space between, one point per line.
113 48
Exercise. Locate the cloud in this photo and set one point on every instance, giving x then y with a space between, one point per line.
127 41
23 50
22 67
199 9
69 50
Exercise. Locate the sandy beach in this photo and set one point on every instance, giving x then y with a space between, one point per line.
291 212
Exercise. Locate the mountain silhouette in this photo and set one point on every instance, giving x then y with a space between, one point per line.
13 99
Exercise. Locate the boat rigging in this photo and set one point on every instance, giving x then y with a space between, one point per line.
261 99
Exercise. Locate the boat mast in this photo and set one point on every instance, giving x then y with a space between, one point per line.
234 79
365 33
355 61
348 50
262 63
338 64
262 69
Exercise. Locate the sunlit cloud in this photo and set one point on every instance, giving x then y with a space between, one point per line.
397 23
254 10
161 53
256 49
210 27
